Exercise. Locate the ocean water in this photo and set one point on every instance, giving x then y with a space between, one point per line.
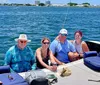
39 22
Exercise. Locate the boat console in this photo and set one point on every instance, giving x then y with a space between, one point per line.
93 45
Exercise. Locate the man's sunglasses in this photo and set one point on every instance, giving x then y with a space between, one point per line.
63 34
23 41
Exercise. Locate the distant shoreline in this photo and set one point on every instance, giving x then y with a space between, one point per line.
52 5
55 6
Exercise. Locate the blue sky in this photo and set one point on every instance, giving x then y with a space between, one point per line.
97 2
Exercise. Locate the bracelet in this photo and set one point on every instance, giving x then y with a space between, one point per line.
54 63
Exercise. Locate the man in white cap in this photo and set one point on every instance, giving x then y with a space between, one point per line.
63 49
20 57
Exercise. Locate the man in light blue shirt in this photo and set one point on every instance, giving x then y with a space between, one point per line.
64 49
20 57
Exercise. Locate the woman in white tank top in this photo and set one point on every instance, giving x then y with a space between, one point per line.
80 45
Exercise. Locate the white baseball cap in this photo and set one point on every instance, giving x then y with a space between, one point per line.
63 31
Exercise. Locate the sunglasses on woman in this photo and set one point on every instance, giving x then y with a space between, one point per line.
46 43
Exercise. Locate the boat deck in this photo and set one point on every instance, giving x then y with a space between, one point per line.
81 75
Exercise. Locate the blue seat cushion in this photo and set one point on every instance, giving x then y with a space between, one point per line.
12 79
4 69
90 53
93 62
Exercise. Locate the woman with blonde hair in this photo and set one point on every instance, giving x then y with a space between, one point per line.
43 55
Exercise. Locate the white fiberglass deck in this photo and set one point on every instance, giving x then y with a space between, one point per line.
80 75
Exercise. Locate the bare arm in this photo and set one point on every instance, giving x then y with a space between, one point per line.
54 59
58 62
73 56
39 57
71 41
85 47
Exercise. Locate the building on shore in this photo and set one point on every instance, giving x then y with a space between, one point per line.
37 2
80 5
48 3
59 5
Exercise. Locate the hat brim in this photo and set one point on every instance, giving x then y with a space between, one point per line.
63 33
22 39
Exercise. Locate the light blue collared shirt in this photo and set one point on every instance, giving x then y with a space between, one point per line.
62 50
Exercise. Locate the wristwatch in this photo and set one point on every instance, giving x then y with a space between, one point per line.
79 55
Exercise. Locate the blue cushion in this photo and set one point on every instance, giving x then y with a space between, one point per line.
4 69
99 54
12 79
93 62
90 54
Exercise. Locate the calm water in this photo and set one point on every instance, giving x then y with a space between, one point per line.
38 22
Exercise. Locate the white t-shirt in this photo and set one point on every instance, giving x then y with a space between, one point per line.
78 46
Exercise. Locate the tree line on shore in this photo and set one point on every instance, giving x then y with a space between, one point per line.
43 4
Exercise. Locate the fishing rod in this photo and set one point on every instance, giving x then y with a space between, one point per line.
63 25
66 16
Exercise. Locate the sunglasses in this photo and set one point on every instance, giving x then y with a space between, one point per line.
46 43
63 34
23 41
